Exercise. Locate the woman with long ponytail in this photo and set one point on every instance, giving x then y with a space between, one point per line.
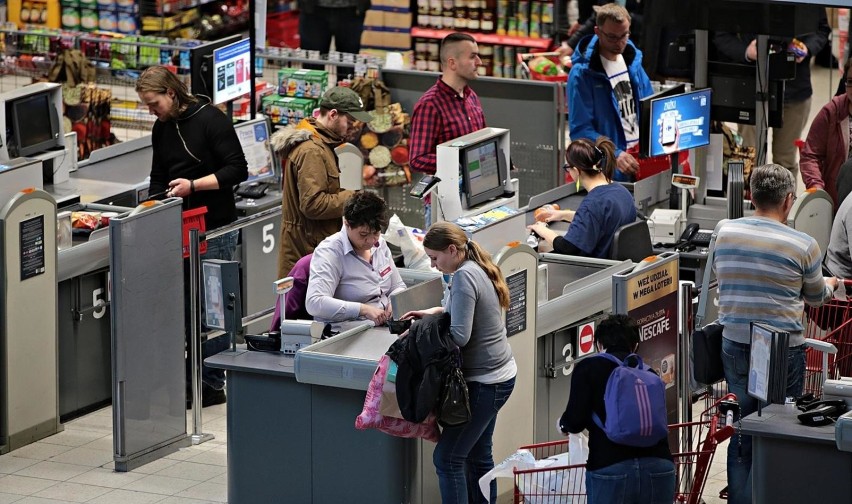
475 303
606 208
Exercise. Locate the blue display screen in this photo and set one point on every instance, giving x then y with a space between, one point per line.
680 122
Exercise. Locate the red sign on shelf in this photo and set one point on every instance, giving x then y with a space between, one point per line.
586 339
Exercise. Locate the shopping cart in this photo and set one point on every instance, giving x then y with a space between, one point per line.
830 323
566 483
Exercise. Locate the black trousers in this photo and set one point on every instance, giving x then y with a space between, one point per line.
344 24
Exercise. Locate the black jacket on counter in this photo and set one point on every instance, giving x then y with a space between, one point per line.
423 358
200 142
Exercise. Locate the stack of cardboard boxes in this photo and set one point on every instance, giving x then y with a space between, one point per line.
387 26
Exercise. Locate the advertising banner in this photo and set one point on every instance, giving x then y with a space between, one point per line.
649 296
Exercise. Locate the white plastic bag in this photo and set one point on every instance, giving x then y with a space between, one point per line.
565 486
410 241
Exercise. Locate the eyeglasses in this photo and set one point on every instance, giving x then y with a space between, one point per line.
794 198
614 38
849 82
566 167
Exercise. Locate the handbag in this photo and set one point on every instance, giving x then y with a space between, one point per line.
706 341
454 408
372 418
707 354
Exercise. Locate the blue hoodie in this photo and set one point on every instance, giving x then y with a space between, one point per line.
592 108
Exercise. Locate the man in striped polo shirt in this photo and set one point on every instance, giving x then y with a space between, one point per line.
766 272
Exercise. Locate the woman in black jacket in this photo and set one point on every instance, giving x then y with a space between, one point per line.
615 473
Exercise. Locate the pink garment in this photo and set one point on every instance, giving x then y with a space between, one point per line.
371 418
826 148
294 308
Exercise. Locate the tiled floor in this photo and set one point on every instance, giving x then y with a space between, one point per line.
76 465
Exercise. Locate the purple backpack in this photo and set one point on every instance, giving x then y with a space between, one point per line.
635 402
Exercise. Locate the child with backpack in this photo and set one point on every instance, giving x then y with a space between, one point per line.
621 403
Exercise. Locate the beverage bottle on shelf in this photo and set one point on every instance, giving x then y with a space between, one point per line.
547 19
448 14
473 15
424 20
436 17
486 22
502 16
461 17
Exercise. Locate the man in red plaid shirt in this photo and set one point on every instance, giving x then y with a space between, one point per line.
449 109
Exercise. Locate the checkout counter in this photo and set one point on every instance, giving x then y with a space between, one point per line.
794 462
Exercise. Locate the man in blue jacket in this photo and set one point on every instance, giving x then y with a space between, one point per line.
605 86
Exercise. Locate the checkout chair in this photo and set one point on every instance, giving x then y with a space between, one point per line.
632 241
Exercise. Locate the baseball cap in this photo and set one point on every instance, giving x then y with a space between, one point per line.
345 100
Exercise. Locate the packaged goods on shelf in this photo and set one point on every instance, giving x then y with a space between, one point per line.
286 109
299 83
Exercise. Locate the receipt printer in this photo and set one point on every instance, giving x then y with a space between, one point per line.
665 226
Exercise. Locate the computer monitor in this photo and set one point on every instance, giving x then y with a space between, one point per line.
645 113
679 122
35 125
254 138
232 71
734 92
483 169
201 65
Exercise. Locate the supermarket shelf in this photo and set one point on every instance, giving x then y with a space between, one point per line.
485 38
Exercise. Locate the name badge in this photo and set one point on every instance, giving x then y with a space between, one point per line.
385 271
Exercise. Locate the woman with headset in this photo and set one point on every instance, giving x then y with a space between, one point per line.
605 208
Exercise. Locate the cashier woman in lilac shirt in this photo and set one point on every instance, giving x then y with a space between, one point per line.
352 271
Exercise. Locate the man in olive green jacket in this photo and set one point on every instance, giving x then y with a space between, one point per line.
312 201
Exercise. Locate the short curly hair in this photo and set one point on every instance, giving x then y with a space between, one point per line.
366 209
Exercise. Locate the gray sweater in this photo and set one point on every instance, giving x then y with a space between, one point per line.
476 321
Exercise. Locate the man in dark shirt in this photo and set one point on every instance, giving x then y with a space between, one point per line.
742 48
449 109
198 157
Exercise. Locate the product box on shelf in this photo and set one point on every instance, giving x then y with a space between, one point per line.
287 109
302 83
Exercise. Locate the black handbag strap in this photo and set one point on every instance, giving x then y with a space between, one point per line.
708 272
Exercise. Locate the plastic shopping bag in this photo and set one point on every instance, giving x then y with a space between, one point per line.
372 418
410 241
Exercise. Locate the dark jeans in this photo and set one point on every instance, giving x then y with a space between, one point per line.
735 359
647 480
317 29
222 247
463 454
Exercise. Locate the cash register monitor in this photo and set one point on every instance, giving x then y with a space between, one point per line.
645 114
679 122
483 169
34 125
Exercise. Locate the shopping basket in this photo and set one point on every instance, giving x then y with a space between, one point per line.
831 323
699 440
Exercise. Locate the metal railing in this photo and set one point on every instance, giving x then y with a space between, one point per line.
195 239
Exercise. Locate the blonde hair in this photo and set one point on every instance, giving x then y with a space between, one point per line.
611 12
159 79
443 234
